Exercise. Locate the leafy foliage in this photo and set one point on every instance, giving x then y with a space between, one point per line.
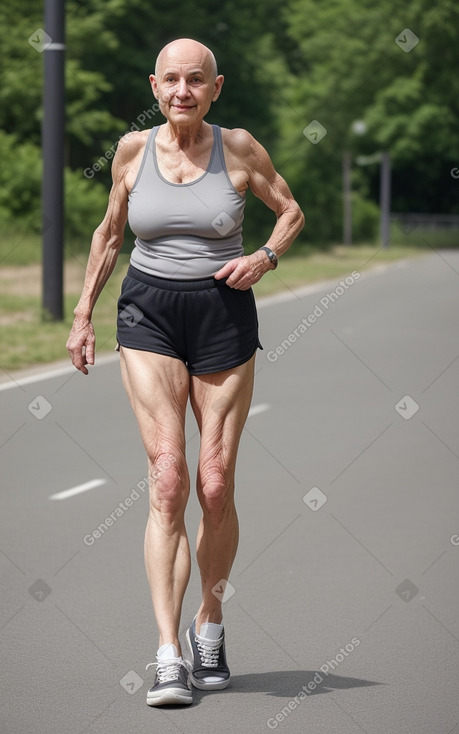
335 61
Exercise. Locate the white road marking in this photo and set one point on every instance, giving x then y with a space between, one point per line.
257 409
16 380
78 490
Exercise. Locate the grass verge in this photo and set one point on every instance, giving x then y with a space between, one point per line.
29 341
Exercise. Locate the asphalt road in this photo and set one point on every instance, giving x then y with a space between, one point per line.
342 614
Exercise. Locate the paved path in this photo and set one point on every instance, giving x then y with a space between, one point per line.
344 608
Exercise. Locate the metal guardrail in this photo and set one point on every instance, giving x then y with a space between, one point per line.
429 221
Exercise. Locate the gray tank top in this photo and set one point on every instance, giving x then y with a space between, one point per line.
185 231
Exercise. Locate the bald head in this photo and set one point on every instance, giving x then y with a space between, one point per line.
186 81
186 50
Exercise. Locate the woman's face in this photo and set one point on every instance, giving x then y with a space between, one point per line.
185 84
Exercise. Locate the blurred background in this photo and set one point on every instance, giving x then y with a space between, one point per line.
377 77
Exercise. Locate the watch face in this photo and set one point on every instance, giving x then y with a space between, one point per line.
271 255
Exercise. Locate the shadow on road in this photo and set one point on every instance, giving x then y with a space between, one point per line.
284 684
287 683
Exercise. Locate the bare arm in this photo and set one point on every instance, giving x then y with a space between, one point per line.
269 186
106 243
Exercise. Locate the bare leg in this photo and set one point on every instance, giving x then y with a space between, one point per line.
158 388
220 403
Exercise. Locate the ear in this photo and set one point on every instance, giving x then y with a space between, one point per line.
218 87
154 85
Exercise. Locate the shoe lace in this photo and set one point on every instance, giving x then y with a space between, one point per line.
167 670
209 652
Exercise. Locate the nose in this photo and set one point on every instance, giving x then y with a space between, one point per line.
181 90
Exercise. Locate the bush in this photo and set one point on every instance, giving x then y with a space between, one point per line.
20 193
365 219
85 204
20 182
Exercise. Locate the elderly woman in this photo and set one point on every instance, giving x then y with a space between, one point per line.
187 328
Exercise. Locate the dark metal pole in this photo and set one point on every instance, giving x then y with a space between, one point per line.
347 201
53 162
385 196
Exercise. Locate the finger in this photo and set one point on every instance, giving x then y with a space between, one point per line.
239 278
227 269
78 361
90 352
235 270
77 355
242 281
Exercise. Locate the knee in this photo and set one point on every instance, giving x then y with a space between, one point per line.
216 491
168 483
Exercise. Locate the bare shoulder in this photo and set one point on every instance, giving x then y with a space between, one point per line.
262 178
128 157
242 144
130 145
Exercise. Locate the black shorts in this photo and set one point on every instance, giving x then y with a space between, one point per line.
205 323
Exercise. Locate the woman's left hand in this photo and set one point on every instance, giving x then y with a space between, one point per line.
244 272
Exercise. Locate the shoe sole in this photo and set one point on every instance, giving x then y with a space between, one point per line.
196 682
209 686
170 696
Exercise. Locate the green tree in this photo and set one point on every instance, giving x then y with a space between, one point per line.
111 48
345 65
334 61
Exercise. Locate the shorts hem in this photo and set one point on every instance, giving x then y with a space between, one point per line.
230 365
197 371
152 351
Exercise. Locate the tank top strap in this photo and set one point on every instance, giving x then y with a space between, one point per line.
149 155
151 144
217 164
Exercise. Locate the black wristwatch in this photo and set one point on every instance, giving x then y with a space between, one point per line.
272 256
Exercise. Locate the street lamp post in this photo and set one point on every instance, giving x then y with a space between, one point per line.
358 127
384 199
53 161
347 201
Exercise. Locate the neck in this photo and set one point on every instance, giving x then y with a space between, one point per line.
186 135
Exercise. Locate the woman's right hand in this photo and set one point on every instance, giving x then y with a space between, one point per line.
81 344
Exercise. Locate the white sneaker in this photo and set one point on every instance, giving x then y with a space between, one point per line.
210 670
172 677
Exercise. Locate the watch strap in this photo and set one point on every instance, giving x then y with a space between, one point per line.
272 255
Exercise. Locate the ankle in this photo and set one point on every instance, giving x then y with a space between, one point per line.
203 617
170 641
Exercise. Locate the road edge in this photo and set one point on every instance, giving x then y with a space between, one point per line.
37 373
